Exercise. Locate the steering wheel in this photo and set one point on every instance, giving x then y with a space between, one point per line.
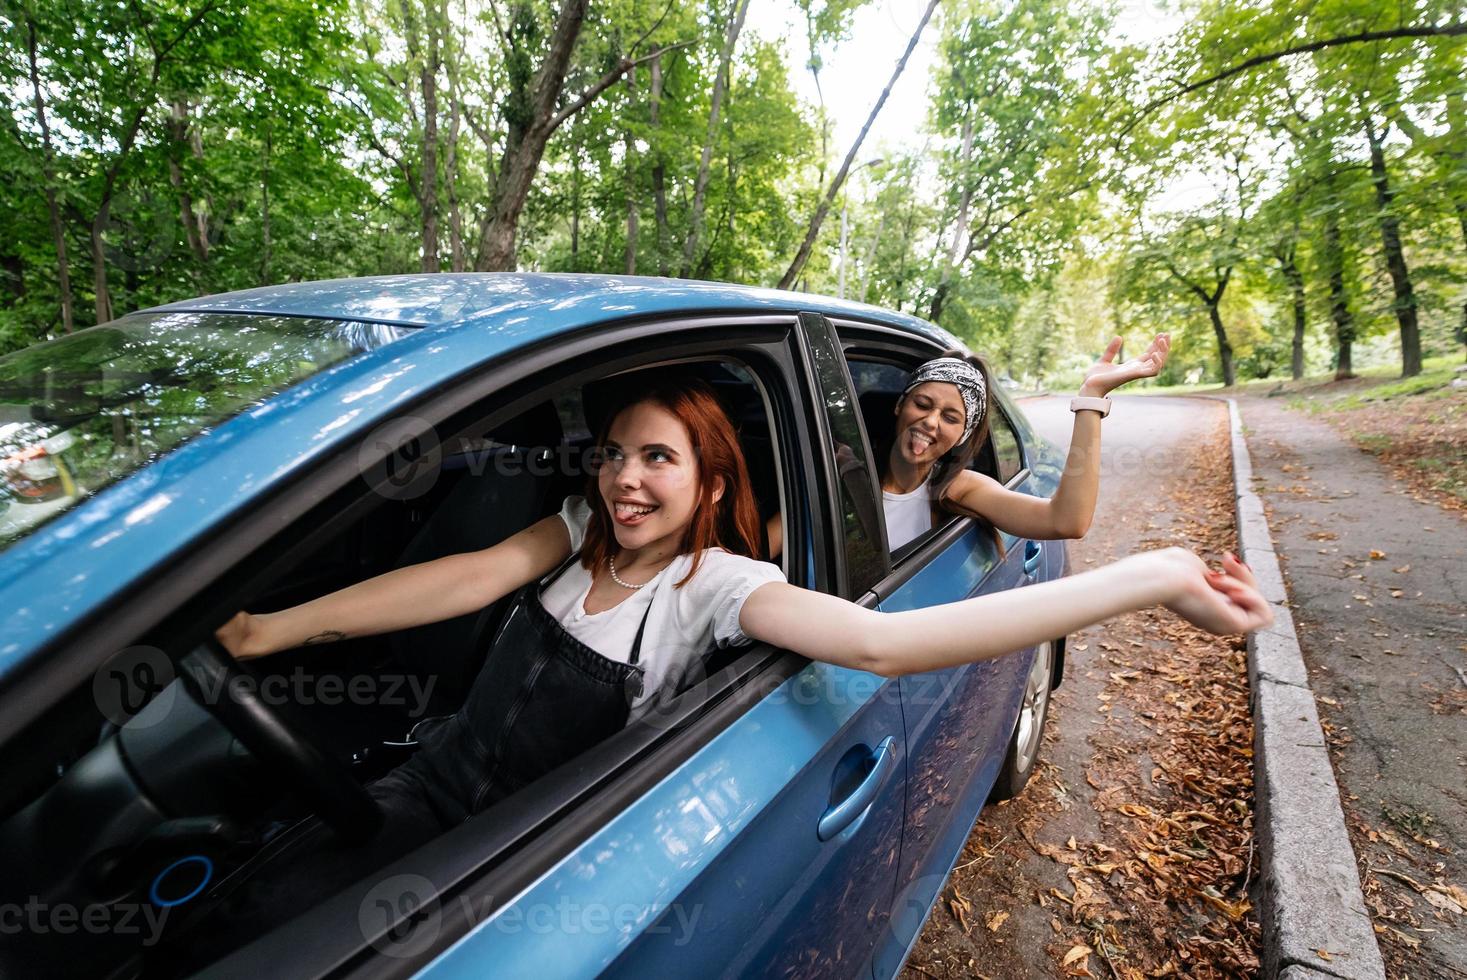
213 679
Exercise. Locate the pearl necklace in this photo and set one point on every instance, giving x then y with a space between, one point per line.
611 561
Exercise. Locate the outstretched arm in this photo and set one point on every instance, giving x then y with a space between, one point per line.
1068 513
425 593
892 644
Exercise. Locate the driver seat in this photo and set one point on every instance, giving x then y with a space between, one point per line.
505 491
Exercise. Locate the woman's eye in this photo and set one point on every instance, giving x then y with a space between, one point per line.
613 455
658 456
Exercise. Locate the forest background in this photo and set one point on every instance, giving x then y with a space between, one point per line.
154 150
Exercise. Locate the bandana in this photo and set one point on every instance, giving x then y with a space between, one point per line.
969 383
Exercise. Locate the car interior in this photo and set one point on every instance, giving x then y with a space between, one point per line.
173 781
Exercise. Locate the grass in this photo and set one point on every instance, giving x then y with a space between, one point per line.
1315 392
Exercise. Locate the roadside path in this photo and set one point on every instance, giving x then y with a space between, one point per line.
1144 789
1378 587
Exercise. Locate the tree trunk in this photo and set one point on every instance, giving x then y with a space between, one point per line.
194 228
265 212
576 210
1224 348
960 226
1295 280
530 127
1462 327
48 176
813 232
1339 299
629 260
721 82
102 296
659 168
1395 256
450 163
428 64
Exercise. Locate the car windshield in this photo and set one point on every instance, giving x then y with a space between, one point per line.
83 411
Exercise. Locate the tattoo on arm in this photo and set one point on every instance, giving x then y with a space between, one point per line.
325 636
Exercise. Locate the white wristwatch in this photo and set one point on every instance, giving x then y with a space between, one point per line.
1084 403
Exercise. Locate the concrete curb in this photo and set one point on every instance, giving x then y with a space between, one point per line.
1311 898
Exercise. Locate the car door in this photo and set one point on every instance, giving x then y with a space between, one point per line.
772 849
959 720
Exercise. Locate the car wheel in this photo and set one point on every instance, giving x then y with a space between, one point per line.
1023 751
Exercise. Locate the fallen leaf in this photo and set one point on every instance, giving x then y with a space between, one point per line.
1324 955
995 920
1402 570
1077 952
1376 555
1442 901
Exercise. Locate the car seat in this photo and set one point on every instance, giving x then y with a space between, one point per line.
502 490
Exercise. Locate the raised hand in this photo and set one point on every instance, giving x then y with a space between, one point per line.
1104 376
1226 601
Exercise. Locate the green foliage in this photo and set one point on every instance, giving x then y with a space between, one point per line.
198 146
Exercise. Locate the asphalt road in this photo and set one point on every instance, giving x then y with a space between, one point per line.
1010 926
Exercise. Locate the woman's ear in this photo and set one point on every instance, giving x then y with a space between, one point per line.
718 490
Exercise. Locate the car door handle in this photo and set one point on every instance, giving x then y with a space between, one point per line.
848 810
1032 553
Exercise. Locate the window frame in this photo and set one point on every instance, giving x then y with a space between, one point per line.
557 812
877 342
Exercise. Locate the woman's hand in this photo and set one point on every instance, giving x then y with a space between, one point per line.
1219 602
236 635
1104 376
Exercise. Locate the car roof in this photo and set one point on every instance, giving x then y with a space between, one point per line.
106 545
557 300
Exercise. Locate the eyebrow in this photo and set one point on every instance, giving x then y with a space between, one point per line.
613 444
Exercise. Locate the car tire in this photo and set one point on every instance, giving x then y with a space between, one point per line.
1023 751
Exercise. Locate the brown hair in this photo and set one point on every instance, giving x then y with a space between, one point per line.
731 522
958 458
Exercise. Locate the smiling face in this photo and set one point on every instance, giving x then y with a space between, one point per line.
929 422
649 478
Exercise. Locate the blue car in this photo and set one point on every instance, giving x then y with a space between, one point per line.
256 449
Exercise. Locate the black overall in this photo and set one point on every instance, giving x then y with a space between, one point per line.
541 698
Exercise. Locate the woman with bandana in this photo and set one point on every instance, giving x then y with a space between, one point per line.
942 422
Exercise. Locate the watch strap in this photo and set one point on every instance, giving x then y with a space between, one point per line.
1085 403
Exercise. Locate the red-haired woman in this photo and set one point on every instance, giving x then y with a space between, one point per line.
667 570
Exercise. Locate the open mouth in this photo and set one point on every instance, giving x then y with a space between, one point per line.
630 515
917 442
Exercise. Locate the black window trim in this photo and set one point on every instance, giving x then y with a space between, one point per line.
636 763
820 418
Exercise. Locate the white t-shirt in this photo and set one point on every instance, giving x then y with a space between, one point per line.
908 515
684 623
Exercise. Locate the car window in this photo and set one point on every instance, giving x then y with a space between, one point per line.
879 380
83 411
1008 454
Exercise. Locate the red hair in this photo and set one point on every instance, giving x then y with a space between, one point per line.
731 522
